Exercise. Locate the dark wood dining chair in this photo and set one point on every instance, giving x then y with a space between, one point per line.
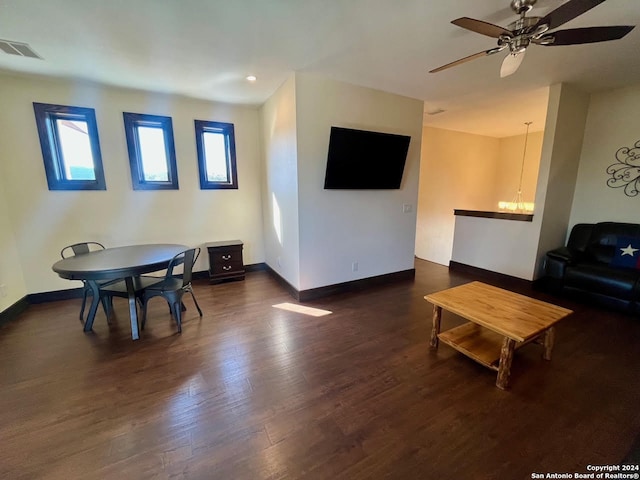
81 249
173 287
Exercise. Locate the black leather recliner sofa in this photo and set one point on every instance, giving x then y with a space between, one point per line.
590 264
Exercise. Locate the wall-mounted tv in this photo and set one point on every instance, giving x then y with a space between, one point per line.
363 160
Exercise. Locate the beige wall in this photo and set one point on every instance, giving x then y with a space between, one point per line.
613 122
280 183
502 245
312 235
468 172
516 248
564 135
12 283
457 171
339 227
322 232
43 221
583 133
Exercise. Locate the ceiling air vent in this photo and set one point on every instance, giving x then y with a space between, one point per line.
18 48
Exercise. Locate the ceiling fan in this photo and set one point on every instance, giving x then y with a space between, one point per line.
519 35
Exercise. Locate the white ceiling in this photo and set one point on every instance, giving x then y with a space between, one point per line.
206 48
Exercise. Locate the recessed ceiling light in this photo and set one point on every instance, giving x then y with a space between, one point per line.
252 78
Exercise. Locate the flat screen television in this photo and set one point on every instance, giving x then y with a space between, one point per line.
363 160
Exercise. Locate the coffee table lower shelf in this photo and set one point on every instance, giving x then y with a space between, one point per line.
476 342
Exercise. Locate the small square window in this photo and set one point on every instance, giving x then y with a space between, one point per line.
216 145
152 154
70 147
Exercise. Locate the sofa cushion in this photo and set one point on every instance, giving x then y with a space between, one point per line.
604 239
627 253
579 237
601 278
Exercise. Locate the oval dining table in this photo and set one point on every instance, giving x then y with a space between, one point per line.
114 264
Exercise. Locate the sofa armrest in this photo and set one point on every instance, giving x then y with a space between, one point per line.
557 260
562 254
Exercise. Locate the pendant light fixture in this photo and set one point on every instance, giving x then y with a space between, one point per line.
518 205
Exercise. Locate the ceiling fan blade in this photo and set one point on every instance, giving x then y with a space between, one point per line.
575 36
478 26
511 63
568 11
467 59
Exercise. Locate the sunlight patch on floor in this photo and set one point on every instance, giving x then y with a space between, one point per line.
292 307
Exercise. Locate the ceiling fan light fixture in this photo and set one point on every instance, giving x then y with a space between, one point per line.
511 63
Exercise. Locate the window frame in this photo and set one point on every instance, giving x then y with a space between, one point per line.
226 129
47 115
131 123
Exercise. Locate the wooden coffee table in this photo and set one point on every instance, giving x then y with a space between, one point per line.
500 321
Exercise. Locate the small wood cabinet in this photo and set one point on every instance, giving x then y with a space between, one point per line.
225 260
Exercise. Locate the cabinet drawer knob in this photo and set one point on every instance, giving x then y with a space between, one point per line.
226 257
226 267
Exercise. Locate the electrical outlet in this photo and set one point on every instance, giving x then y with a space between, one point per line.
354 267
407 208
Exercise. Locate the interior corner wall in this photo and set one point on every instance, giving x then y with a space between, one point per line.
612 124
341 227
43 221
564 133
280 183
457 171
12 283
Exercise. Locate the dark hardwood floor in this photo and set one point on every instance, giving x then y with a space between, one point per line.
254 392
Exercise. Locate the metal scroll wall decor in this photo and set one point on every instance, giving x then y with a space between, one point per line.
626 172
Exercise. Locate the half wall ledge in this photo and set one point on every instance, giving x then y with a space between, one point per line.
520 217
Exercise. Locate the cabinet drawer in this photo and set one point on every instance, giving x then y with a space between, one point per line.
226 255
227 267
